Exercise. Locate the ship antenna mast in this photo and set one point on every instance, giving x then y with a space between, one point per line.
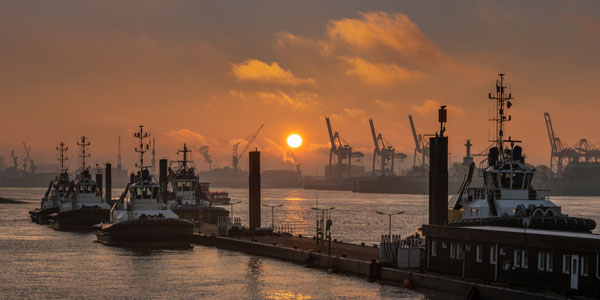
84 144
119 165
185 151
503 103
142 148
63 149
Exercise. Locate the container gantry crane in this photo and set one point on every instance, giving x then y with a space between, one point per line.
384 154
559 150
421 146
340 155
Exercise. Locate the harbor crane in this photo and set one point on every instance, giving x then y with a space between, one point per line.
340 155
421 146
237 155
28 159
15 159
560 152
384 154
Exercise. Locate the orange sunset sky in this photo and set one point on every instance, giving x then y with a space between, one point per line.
208 73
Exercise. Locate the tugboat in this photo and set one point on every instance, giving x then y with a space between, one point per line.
56 192
140 218
507 197
82 206
188 197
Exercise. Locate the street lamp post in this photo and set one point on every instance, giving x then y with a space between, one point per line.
232 204
272 206
390 215
327 227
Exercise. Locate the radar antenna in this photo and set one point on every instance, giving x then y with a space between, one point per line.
185 152
142 148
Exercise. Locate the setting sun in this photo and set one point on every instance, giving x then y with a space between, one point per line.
294 141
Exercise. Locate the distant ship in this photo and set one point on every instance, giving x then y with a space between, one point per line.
282 179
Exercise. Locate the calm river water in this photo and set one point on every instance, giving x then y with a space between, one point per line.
37 262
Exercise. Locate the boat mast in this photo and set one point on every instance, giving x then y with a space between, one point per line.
119 165
63 149
142 148
503 103
84 144
185 151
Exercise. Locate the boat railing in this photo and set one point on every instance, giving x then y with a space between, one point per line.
119 202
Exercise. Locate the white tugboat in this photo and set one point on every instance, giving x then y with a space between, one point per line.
82 206
55 193
140 218
188 197
507 197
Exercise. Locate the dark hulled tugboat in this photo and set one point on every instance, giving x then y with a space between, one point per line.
140 218
188 197
56 191
82 206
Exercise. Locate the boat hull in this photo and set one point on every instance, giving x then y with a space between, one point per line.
149 232
82 219
40 216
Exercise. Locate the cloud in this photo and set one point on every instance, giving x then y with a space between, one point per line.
187 136
298 100
276 149
430 106
355 113
380 29
379 73
386 105
256 70
349 114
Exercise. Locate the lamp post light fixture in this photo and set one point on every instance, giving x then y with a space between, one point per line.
390 215
321 234
232 204
272 206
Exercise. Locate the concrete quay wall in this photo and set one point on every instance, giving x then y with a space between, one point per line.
370 270
309 258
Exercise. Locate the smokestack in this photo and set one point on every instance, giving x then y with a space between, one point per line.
99 182
254 190
438 175
162 178
108 179
132 178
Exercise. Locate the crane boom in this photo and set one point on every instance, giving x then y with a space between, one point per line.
414 131
331 136
551 137
250 141
377 149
